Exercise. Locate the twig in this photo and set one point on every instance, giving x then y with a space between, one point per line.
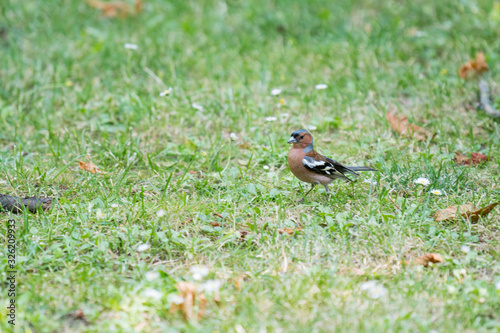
17 205
484 100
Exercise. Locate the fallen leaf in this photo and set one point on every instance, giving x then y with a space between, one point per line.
90 167
477 66
476 158
78 315
238 281
215 224
218 215
192 172
427 258
116 8
289 230
403 127
188 291
467 211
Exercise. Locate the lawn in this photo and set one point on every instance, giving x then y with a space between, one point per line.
180 198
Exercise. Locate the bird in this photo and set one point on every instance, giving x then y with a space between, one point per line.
311 167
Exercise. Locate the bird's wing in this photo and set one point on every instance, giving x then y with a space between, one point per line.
342 168
324 166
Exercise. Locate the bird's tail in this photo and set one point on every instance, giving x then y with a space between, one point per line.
361 168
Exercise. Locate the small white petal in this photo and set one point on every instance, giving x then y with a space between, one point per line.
373 289
275 92
166 92
422 181
199 272
370 182
176 299
143 247
465 249
312 127
161 213
152 293
321 86
130 46
271 118
197 106
211 286
115 205
150 276
233 136
266 167
99 214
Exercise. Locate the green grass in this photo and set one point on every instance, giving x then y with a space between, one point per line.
70 92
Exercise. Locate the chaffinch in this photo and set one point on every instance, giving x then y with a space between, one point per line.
311 167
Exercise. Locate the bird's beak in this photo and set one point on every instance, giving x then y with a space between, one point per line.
291 140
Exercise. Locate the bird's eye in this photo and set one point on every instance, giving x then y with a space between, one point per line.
301 137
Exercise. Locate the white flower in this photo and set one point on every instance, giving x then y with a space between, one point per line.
115 205
271 118
152 275
266 167
275 92
321 86
369 182
422 181
312 128
152 293
373 289
211 286
465 249
176 299
143 247
437 192
161 213
197 106
130 46
198 272
233 136
497 285
99 214
166 92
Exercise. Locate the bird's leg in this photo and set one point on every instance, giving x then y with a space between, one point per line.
304 198
312 187
327 192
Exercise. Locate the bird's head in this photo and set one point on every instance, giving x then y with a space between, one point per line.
301 139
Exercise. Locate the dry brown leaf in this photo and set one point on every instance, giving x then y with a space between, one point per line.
467 211
476 158
215 224
238 281
189 293
403 127
90 167
116 8
289 230
192 172
427 258
477 66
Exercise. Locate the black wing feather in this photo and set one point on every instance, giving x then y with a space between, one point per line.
326 168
